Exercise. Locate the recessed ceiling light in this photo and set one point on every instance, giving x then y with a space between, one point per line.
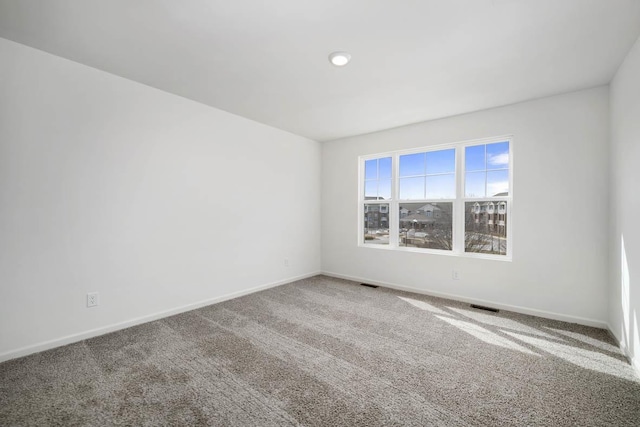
340 59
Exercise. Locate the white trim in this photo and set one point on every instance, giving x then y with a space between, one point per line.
444 252
69 339
458 225
517 309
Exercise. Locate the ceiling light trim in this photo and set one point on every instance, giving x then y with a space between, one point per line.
339 58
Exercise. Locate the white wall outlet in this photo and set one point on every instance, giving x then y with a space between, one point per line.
92 299
455 274
286 262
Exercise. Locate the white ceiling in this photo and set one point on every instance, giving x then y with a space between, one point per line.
413 60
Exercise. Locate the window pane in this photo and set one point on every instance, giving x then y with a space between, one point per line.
498 155
486 227
498 183
377 185
371 169
384 189
474 184
376 224
384 168
426 225
371 190
412 188
443 161
474 159
441 187
412 164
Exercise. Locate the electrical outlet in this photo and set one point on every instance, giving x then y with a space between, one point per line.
455 275
286 262
92 299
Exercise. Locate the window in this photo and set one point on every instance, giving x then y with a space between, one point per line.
376 223
453 199
377 179
428 175
487 176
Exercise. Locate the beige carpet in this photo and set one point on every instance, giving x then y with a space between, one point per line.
329 352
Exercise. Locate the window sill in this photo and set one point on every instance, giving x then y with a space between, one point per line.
438 252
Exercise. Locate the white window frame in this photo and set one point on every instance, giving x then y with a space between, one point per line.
458 204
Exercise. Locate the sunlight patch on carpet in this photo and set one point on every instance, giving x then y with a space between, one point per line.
485 335
424 306
584 358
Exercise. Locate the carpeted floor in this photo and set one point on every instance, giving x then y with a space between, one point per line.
329 352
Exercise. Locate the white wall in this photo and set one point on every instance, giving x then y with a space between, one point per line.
150 199
560 260
624 299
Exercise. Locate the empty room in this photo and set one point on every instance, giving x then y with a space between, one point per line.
320 213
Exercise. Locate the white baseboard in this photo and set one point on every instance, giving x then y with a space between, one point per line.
69 339
507 307
635 364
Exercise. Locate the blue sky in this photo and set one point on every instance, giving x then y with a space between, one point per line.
433 162
431 175
379 172
435 172
486 167
378 168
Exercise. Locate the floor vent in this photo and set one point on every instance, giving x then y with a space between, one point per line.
481 307
368 285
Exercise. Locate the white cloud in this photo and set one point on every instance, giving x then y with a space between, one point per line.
497 187
501 159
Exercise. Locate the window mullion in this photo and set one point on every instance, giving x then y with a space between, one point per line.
458 226
393 206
